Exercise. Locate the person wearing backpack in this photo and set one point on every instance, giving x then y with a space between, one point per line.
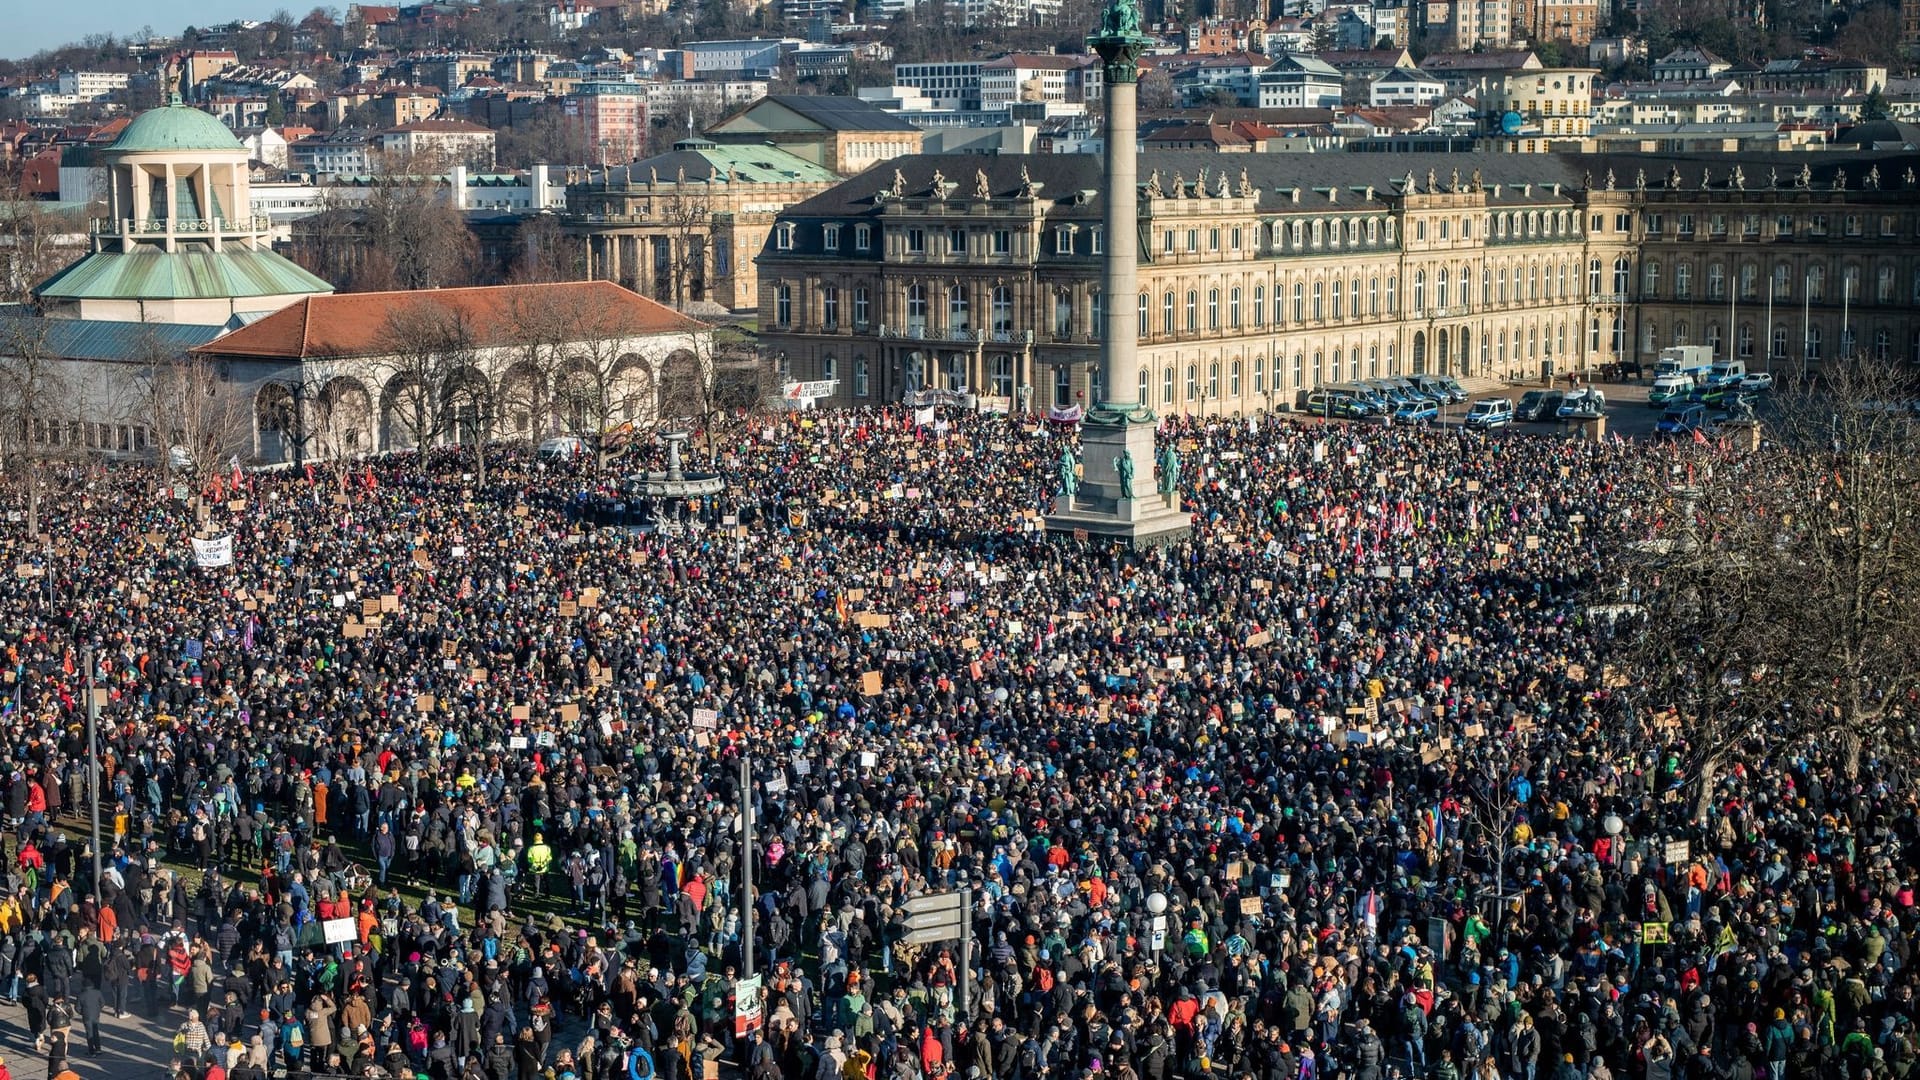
1413 1031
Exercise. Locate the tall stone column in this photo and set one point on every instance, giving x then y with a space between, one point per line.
1124 489
1120 277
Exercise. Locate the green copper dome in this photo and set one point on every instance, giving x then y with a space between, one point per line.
174 127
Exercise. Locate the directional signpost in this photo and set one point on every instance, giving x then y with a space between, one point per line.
945 916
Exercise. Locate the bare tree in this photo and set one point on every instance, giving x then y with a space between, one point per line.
201 421
32 235
33 394
1847 458
403 236
431 350
544 253
688 216
1706 629
602 391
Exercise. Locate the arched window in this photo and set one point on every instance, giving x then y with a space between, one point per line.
1166 385
1213 309
1816 284
1233 379
1373 361
1167 323
1419 291
1593 287
1213 381
1260 374
1002 309
957 317
1233 307
1145 386
1193 309
1621 281
1716 281
1299 302
1339 300
1193 382
1683 281
1440 290
1319 301
1259 305
1142 330
1373 295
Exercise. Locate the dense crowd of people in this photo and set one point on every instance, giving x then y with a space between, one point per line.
442 778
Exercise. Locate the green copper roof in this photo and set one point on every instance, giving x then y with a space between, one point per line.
175 127
199 274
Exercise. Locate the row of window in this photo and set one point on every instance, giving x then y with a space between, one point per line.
1231 308
1314 234
1811 344
1813 280
85 434
1784 226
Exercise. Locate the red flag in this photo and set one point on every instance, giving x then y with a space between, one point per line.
1699 438
370 481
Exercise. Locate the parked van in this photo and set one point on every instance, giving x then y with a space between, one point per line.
560 448
1489 413
1336 405
1672 386
1726 373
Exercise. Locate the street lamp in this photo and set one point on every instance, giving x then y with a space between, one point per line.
1157 907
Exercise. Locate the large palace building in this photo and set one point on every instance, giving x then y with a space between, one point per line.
1265 275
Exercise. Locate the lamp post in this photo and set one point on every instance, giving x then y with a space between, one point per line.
1157 907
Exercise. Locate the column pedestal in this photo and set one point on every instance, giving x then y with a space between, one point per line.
1101 509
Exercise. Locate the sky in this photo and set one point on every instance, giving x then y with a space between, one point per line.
45 25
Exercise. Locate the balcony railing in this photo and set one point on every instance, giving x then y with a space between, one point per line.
177 226
952 333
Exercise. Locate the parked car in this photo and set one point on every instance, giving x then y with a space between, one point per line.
1758 381
1489 413
1588 404
1538 404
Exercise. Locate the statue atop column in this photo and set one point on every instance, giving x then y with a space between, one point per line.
1119 41
1120 18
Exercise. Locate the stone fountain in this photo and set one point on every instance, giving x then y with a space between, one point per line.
668 491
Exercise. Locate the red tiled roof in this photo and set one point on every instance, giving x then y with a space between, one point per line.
343 325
